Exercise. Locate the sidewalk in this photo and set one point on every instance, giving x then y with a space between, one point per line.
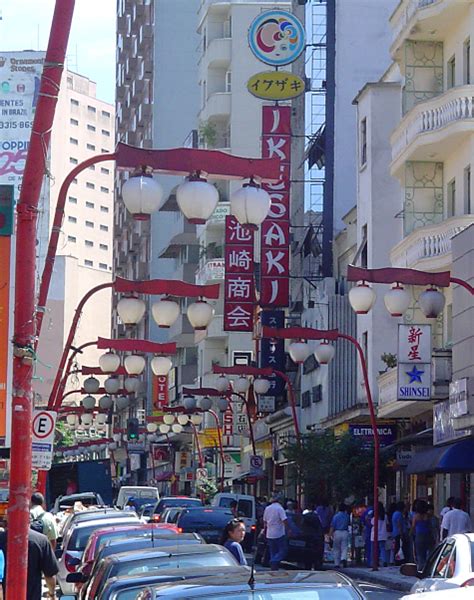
388 576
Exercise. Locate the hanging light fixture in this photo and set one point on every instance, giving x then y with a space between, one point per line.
134 364
205 403
189 402
165 312
197 199
196 419
131 310
168 419
183 419
164 428
241 385
261 385
222 404
91 385
88 402
176 428
152 427
362 298
131 384
142 195
431 302
86 419
122 402
113 446
161 365
71 420
109 362
112 385
250 205
106 402
117 437
299 352
200 314
324 353
397 300
222 383
101 419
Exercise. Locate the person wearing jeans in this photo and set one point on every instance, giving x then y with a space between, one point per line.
339 533
382 535
275 523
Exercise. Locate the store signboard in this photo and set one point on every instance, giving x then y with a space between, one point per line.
414 362
443 425
272 354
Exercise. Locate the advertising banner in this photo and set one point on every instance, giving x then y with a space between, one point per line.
160 392
414 362
272 354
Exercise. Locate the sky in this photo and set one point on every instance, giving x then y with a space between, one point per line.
25 25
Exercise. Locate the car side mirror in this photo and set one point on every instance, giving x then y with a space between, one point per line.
76 578
410 570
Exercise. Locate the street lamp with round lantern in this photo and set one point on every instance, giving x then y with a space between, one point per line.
197 199
142 195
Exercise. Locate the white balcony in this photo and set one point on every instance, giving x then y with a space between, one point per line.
217 106
389 406
211 272
433 129
429 248
218 52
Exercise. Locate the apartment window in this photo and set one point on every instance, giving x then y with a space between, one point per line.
90 127
228 81
451 72
105 190
90 185
365 347
91 109
73 160
92 168
74 122
69 82
364 252
104 171
106 132
104 150
467 61
451 197
104 209
106 114
90 224
89 243
449 325
103 246
74 102
104 227
71 238
88 263
363 142
90 146
74 180
71 219
89 205
467 191
102 266
73 141
72 200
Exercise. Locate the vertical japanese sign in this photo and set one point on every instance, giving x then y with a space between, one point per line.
272 352
239 294
160 394
414 362
275 233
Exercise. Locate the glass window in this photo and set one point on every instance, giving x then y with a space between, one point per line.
103 246
451 198
106 114
102 266
104 228
74 180
104 170
467 61
467 191
73 141
91 109
92 167
106 132
88 263
71 238
72 200
90 224
71 219
363 142
104 209
73 160
105 190
90 127
74 102
451 72
441 566
89 243
90 205
74 122
432 560
90 147
90 185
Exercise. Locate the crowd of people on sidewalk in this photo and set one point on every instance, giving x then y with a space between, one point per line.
405 533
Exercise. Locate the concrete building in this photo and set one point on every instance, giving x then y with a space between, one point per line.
83 127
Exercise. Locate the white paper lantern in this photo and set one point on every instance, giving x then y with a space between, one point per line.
131 310
205 403
261 385
134 364
197 200
200 315
131 384
112 385
432 303
196 419
101 419
250 205
91 385
106 403
222 383
183 419
164 428
152 427
71 420
324 353
362 298
161 365
241 385
397 301
122 402
222 404
142 196
88 402
109 362
189 402
117 437
176 428
168 419
165 312
86 419
299 352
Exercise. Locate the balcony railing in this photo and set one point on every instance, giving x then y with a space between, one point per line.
432 242
455 105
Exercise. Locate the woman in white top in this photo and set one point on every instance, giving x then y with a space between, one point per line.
382 535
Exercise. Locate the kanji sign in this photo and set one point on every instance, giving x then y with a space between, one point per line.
44 423
414 362
272 354
275 85
239 285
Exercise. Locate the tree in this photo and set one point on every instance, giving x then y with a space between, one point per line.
334 467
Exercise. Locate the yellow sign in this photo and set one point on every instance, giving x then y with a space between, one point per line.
209 438
275 85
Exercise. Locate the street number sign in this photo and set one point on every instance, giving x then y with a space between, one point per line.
44 425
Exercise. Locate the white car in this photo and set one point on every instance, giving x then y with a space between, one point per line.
450 565
74 543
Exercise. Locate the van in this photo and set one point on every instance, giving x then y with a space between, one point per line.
246 510
142 494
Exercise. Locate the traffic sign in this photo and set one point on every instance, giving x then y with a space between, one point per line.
201 474
256 465
44 423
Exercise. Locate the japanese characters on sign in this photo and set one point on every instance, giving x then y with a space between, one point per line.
414 362
272 353
239 286
275 85
275 234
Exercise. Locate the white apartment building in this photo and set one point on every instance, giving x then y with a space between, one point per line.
83 127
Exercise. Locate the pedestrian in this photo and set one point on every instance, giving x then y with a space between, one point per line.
291 515
400 534
422 533
313 534
325 514
456 520
232 538
366 519
130 505
233 506
435 524
275 527
339 532
41 520
382 535
447 507
41 562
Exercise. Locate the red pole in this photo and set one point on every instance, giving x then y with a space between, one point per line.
249 419
291 394
25 298
59 396
198 445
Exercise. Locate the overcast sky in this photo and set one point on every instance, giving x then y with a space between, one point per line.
25 25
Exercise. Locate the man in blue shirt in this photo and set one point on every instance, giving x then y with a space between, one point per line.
340 535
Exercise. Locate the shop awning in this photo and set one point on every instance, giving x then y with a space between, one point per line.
452 458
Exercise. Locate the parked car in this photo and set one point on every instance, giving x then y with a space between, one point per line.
74 544
146 510
93 515
287 585
173 501
147 562
85 498
140 493
450 565
205 520
169 515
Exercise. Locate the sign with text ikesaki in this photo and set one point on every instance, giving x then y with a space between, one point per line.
414 362
275 232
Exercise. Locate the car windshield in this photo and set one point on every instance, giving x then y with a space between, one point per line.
182 502
185 561
332 593
216 519
129 545
80 535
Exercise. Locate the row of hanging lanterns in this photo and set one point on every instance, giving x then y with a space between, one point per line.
300 350
397 300
242 384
